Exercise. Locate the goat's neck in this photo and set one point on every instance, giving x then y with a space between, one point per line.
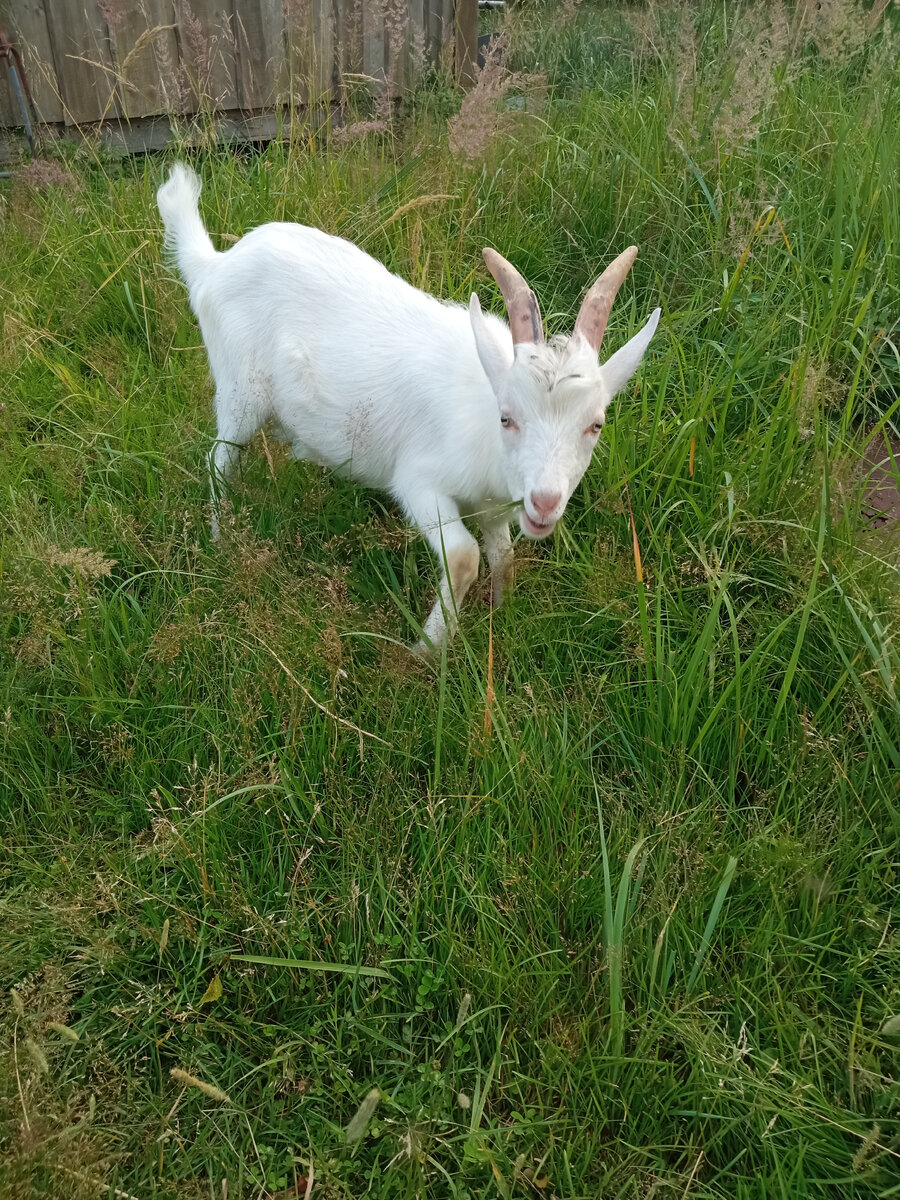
480 435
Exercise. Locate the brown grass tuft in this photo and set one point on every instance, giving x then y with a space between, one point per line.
82 561
482 119
357 130
43 173
759 52
839 28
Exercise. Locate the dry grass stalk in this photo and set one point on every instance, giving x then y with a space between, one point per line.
636 547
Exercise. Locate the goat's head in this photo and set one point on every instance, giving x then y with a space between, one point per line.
552 397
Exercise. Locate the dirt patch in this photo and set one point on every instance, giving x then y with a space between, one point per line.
881 500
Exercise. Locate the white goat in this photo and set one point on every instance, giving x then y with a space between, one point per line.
454 413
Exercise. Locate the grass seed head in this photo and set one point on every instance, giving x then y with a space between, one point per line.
37 1056
208 1089
64 1031
363 1116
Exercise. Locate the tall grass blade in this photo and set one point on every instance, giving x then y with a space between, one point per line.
308 964
714 914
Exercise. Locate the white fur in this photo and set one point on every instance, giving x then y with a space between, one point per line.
363 373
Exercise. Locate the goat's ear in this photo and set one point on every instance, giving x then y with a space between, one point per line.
495 358
620 367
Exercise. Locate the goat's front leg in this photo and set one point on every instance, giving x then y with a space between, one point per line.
499 552
438 518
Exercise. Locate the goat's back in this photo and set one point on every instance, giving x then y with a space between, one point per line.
354 365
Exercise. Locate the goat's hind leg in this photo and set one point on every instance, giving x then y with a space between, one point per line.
235 427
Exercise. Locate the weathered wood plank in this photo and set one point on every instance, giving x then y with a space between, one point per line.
351 35
89 60
25 23
139 134
396 47
145 55
206 44
259 45
338 22
439 26
9 109
79 39
466 22
415 50
373 43
448 26
298 26
321 51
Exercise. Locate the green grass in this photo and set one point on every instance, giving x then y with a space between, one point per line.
641 939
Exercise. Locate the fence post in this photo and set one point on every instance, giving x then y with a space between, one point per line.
466 21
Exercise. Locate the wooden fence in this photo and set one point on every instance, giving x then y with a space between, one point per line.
128 69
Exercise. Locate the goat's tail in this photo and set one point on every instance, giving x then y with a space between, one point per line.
186 239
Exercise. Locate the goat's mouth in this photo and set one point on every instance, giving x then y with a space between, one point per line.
535 529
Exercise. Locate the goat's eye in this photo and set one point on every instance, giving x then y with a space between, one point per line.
594 430
507 422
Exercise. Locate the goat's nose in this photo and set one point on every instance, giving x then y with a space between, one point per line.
545 503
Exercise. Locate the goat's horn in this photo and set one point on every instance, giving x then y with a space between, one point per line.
595 308
525 323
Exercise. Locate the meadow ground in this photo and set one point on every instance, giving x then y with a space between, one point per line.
634 934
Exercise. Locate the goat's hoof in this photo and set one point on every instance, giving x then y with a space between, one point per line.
423 650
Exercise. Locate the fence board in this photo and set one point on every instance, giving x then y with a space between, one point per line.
25 23
439 26
396 43
466 19
145 54
90 61
322 50
259 44
351 35
373 43
299 25
339 25
9 109
85 73
415 52
206 44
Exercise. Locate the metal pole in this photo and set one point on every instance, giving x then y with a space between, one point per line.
21 89
20 98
